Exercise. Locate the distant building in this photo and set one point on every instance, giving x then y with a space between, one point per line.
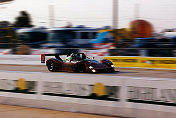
4 1
4 24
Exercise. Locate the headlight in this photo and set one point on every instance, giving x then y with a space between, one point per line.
93 71
90 67
112 66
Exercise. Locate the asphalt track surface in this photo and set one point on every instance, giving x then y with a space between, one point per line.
8 111
121 71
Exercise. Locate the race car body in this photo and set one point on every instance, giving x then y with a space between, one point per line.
77 62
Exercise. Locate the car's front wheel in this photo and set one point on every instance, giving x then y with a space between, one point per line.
80 67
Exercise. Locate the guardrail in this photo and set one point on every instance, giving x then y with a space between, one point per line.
125 96
20 59
143 62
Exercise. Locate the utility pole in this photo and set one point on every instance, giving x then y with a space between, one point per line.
136 12
115 17
51 16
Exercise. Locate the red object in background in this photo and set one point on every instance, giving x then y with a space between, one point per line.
42 58
104 46
141 28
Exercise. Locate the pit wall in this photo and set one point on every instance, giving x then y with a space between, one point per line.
133 97
144 62
118 61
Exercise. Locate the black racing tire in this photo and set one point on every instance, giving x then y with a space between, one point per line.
51 66
80 67
112 70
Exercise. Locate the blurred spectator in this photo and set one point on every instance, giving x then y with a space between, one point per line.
23 49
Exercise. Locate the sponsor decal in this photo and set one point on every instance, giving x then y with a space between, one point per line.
165 63
159 61
98 91
144 62
18 86
149 95
125 60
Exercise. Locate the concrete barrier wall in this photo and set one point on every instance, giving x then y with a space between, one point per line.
99 94
20 59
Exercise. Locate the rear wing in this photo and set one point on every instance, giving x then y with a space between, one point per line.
57 56
43 57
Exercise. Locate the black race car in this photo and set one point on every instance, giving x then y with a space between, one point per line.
77 62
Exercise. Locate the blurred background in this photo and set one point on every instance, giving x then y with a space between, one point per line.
138 36
102 27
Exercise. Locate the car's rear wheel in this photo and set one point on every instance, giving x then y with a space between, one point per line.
51 66
112 70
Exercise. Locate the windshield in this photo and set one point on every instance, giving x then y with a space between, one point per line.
140 41
61 35
30 37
